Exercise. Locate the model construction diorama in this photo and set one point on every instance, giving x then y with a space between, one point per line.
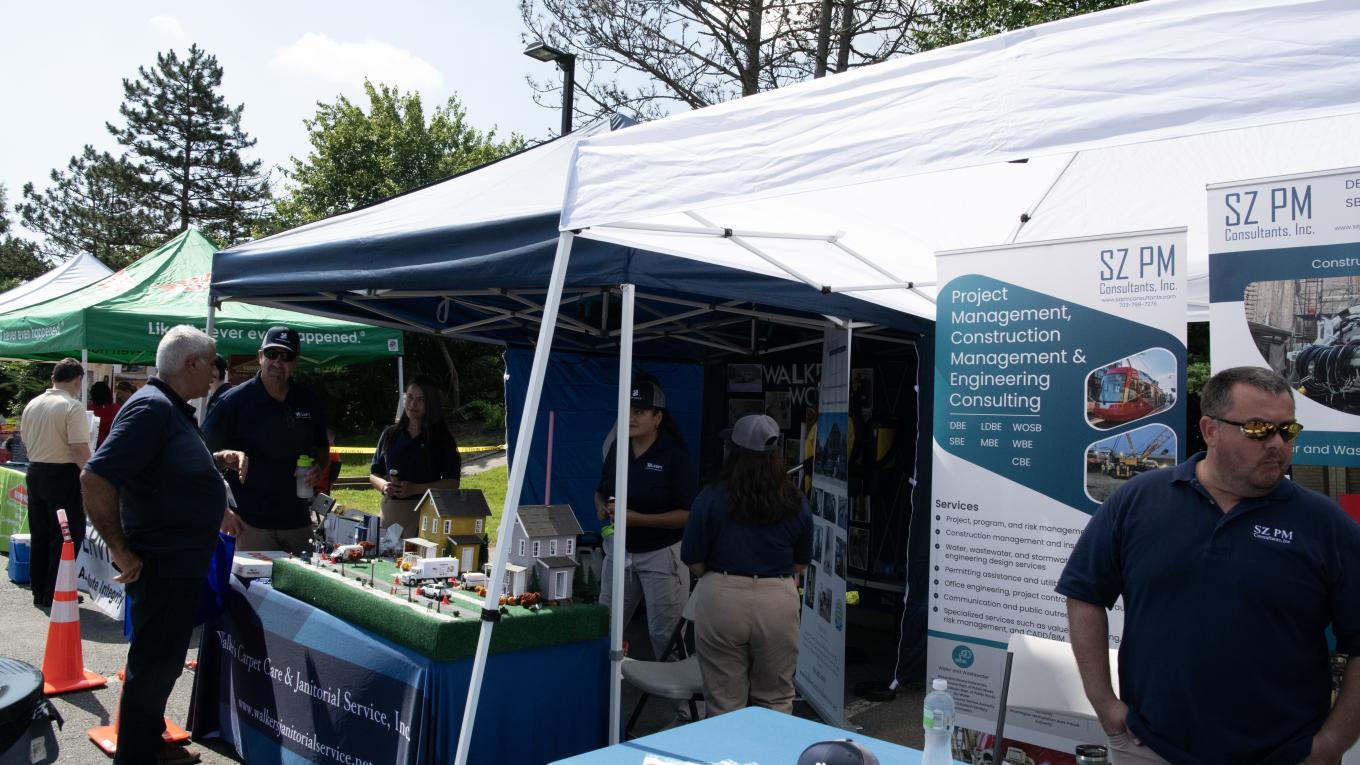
428 591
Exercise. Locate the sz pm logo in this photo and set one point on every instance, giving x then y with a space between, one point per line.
1279 536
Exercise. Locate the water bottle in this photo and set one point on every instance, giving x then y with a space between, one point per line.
300 473
938 722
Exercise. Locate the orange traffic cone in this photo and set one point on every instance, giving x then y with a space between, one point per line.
106 736
63 664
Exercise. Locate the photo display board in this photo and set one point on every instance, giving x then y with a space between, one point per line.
1058 376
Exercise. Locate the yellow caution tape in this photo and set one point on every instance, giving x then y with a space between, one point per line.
371 449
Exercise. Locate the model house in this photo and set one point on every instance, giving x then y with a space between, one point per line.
543 546
454 520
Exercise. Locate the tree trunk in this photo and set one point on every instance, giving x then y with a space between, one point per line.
750 74
824 37
846 36
455 386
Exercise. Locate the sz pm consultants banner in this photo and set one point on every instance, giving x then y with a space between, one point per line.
1284 293
821 652
1058 376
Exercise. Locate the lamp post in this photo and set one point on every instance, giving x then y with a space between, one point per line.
567 63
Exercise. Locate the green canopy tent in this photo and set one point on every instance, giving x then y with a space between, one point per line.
120 319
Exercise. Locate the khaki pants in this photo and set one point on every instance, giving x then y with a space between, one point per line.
658 576
746 633
295 541
1124 752
401 512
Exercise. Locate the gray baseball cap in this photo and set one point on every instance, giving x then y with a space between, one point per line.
837 752
757 432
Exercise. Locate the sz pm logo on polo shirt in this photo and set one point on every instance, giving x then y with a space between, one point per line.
655 468
1279 536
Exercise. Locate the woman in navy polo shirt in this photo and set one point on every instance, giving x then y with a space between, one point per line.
748 538
662 481
421 450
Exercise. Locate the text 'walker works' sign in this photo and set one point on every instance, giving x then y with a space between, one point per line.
1284 293
1059 375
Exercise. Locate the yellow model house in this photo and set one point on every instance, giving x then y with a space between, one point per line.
455 520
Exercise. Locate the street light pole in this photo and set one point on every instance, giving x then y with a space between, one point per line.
567 63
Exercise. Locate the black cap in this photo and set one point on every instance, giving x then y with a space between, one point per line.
282 337
838 752
648 395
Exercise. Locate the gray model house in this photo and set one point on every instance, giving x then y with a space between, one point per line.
543 542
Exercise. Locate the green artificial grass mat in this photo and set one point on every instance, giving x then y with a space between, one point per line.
436 636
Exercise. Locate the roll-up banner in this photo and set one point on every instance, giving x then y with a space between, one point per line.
1059 375
821 652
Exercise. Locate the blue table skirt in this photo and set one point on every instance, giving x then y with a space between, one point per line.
753 735
285 682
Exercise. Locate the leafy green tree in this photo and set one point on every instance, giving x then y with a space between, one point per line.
90 207
956 21
185 146
19 258
359 157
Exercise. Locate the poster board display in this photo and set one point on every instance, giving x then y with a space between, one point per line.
1058 376
821 652
95 574
13 505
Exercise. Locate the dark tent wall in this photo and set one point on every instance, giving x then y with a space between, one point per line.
582 393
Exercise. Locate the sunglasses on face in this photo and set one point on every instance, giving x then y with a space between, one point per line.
274 354
1260 430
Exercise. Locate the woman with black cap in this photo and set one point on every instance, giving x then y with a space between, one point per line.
748 538
662 481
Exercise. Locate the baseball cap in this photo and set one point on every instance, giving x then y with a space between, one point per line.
757 432
648 395
837 752
282 337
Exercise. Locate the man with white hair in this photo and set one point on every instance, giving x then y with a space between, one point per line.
155 493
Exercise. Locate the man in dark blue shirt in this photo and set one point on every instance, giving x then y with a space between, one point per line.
1230 575
275 421
154 492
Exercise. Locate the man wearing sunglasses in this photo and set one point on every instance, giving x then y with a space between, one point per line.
274 420
1230 575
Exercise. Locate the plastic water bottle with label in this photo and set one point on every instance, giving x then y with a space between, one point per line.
938 722
300 476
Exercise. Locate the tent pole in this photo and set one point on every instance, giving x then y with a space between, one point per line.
523 445
208 327
84 368
401 384
618 543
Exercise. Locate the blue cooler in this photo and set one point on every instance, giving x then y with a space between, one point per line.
26 716
18 558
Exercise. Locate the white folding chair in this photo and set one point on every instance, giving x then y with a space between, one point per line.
677 680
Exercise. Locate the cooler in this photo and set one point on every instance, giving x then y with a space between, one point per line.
26 716
18 558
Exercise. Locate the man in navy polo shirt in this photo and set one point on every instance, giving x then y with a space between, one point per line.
1230 575
274 421
154 492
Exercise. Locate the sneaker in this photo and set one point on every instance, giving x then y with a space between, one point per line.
177 754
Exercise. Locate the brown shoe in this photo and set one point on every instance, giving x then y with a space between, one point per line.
176 754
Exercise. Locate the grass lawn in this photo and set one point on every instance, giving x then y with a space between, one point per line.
491 482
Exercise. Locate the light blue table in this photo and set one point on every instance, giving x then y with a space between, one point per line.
751 736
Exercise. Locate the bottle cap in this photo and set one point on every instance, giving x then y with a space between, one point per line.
304 461
940 684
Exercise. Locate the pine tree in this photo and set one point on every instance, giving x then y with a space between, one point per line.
185 144
19 259
90 208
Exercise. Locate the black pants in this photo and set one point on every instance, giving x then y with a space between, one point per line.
52 486
162 610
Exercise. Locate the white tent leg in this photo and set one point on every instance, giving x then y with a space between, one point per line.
512 492
202 404
401 384
84 367
619 544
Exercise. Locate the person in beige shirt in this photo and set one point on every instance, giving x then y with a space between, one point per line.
57 434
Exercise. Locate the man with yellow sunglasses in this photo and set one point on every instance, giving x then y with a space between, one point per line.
1230 576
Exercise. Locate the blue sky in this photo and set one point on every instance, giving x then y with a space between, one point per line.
66 62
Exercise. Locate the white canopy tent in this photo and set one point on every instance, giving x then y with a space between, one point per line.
76 272
1099 124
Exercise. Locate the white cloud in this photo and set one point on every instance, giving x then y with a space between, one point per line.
348 63
169 29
